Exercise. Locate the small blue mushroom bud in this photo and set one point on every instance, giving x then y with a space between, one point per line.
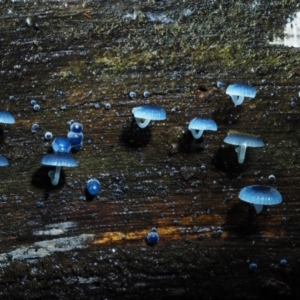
76 127
148 113
132 95
32 102
3 161
238 91
283 262
60 158
152 237
146 94
36 107
75 140
107 106
198 125
253 267
220 84
48 135
34 128
93 186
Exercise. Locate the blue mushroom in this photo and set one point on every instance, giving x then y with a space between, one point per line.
61 144
60 158
6 117
253 267
75 139
152 237
148 113
238 91
3 161
199 124
242 140
260 195
76 127
93 186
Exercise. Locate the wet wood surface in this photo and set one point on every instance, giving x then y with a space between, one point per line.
79 60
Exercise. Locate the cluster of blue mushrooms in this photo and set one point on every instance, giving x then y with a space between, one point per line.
255 194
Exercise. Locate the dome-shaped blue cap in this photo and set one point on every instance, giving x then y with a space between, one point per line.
3 161
76 127
203 123
149 112
260 194
61 144
93 186
59 159
241 89
152 237
6 117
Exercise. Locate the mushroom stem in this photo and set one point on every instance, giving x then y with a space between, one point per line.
258 208
241 152
237 100
197 133
54 175
142 124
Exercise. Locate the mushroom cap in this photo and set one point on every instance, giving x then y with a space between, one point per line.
61 144
260 194
59 159
149 112
76 127
241 89
3 161
75 138
93 186
202 123
6 117
152 237
239 138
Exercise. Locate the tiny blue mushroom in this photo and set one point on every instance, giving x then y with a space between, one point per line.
60 158
199 124
253 267
283 262
152 237
75 139
93 186
6 117
260 195
132 95
238 91
48 135
3 161
76 127
36 107
148 113
242 140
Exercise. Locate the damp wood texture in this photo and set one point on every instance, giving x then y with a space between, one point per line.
92 62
